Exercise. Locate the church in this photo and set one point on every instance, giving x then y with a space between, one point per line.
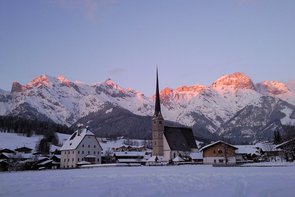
169 143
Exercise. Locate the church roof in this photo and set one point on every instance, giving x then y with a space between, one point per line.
157 103
180 138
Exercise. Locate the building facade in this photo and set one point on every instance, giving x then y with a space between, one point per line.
81 148
219 153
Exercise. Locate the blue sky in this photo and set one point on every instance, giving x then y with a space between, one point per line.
192 42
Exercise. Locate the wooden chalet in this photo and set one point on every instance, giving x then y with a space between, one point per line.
219 153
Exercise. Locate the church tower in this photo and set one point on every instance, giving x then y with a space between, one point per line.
157 125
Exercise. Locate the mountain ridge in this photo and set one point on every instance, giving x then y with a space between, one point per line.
208 109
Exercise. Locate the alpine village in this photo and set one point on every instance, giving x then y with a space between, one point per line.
169 144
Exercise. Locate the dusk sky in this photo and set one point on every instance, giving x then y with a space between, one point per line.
191 42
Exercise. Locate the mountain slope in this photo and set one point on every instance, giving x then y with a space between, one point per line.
65 102
231 107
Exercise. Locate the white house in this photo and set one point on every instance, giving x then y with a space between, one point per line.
81 148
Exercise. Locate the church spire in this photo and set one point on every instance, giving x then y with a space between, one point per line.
158 103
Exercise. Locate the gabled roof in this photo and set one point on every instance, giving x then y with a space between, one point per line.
23 149
180 138
177 159
76 138
285 143
6 150
218 142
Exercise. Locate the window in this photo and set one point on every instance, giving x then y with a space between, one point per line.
68 160
88 146
82 145
82 152
73 159
93 152
88 152
214 151
73 152
214 160
94 146
65 160
220 160
78 152
78 159
97 159
220 151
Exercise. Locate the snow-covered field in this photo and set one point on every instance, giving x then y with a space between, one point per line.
152 181
14 140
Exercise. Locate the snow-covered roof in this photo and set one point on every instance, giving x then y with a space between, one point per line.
177 159
284 143
266 146
73 142
196 155
45 162
153 159
217 142
246 149
83 163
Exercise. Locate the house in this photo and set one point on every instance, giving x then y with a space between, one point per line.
6 150
178 142
268 152
219 153
4 165
288 149
197 157
55 161
247 153
131 157
82 146
24 150
169 142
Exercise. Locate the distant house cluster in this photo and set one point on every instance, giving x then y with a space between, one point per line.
24 158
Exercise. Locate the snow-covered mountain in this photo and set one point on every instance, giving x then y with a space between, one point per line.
64 102
232 106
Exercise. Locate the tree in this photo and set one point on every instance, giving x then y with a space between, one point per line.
43 146
277 137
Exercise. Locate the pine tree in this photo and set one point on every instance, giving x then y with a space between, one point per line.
277 137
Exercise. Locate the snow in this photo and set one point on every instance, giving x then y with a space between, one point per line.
109 110
73 142
13 140
287 120
152 181
247 149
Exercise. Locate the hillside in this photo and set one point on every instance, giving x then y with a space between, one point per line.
233 106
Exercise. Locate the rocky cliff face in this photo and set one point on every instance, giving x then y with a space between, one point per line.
231 107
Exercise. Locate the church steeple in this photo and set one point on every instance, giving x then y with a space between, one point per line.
157 103
157 125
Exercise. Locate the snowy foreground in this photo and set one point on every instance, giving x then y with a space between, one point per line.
152 181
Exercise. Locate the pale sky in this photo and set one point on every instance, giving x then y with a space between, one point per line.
191 42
